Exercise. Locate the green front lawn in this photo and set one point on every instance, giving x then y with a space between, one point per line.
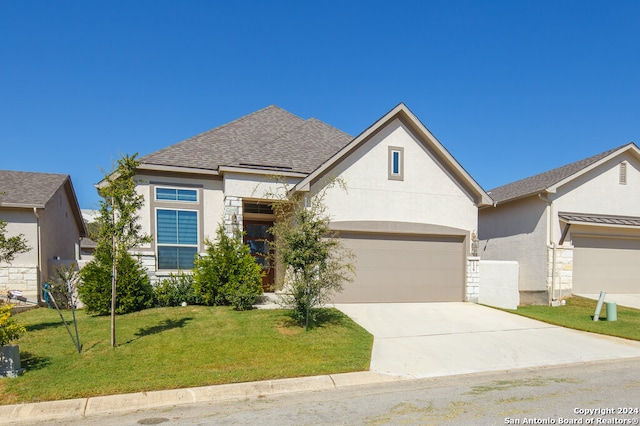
179 347
578 314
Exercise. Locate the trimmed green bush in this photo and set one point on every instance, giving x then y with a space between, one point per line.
175 290
228 274
133 289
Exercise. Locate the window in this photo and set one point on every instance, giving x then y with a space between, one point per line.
258 208
396 163
177 238
174 194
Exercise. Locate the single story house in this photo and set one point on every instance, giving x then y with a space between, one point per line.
574 229
44 208
408 213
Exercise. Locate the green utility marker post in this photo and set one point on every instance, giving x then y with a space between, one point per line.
612 311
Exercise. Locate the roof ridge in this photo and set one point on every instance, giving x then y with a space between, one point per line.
279 136
282 136
222 126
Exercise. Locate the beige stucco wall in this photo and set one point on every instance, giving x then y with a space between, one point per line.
256 186
21 274
59 232
427 194
600 192
517 231
22 221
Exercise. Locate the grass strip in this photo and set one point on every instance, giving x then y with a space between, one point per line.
578 314
168 348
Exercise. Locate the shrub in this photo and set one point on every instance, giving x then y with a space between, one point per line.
9 329
133 289
228 274
175 290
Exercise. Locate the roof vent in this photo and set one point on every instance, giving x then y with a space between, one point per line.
623 173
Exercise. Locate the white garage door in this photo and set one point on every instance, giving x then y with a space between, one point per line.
609 264
401 268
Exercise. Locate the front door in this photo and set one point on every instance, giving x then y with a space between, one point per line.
259 240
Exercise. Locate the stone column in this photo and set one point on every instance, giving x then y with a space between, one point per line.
472 292
232 214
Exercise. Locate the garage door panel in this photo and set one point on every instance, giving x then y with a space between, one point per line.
609 264
392 268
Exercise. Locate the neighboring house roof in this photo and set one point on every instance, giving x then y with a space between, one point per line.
88 243
33 190
27 189
268 139
552 179
599 219
403 113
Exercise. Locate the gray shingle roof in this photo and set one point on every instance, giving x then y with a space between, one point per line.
270 138
28 189
538 183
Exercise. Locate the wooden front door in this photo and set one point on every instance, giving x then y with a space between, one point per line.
259 240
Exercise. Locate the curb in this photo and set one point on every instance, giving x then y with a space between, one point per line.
109 404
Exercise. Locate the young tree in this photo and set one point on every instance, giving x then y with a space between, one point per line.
316 261
119 232
12 246
228 274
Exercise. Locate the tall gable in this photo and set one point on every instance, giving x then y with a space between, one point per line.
543 181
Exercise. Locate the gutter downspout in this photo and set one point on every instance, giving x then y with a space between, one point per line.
552 244
39 268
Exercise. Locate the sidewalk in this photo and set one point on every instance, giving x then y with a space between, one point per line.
101 405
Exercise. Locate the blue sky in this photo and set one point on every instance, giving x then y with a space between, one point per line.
510 88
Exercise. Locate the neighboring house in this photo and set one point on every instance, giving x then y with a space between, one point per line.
87 245
44 208
574 229
408 213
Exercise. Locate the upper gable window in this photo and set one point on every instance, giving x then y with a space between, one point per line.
396 163
174 194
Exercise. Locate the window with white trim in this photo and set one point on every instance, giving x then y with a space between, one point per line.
176 194
396 163
176 238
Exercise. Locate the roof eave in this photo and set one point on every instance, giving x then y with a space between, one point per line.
22 205
75 207
176 169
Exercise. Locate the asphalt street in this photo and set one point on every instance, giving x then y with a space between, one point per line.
604 392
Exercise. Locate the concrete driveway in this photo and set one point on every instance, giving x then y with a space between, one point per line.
439 339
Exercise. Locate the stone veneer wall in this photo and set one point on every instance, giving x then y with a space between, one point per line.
472 292
232 207
18 277
564 271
